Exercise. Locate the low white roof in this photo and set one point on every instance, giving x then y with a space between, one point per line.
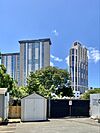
33 96
3 90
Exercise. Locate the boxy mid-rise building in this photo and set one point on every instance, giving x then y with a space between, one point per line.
12 63
34 55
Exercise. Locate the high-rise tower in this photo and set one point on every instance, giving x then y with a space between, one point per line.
78 61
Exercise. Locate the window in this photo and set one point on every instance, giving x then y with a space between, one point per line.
72 58
72 51
29 61
75 69
72 68
72 63
36 61
37 45
76 58
76 79
82 75
75 44
72 79
79 74
76 51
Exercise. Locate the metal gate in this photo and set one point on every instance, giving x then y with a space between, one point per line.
62 108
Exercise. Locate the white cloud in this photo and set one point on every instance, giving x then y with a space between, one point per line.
55 32
93 54
51 64
56 58
67 60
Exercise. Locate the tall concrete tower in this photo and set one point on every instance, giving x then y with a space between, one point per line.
78 61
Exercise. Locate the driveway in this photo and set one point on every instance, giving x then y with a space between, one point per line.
68 125
10 128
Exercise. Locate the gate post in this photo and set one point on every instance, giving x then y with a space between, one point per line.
49 107
70 107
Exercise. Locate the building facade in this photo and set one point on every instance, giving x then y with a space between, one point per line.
78 63
12 63
34 55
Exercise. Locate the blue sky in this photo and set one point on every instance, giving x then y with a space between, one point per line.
64 21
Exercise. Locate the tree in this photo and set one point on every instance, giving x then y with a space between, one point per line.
86 95
46 93
18 92
46 80
65 91
5 80
33 83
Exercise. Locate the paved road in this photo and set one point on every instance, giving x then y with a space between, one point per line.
79 125
10 128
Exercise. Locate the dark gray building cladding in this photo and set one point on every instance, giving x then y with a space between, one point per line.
34 55
12 63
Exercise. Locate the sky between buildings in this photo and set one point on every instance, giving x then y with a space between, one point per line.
64 21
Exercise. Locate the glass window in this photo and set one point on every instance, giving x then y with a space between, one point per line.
75 43
72 51
72 58
72 63
30 61
73 78
76 51
75 69
36 61
72 68
76 58
79 74
36 45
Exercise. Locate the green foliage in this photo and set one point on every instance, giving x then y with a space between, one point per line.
87 94
5 80
19 92
46 93
45 81
65 91
33 83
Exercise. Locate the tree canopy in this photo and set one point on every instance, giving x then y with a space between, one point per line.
86 95
47 80
5 80
18 92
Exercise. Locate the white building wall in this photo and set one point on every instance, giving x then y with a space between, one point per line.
41 55
9 65
29 58
33 108
36 58
95 106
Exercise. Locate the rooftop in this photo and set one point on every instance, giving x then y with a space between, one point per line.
8 54
3 90
36 40
78 43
